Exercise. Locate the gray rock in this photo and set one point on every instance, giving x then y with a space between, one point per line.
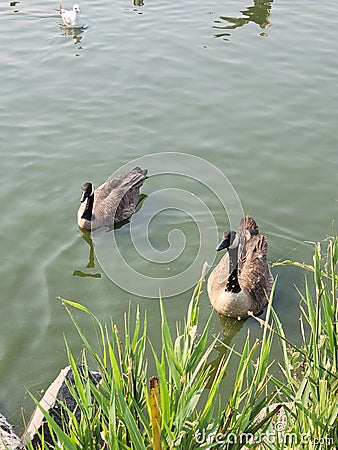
8 439
55 397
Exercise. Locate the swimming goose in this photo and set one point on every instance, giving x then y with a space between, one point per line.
112 202
242 281
71 18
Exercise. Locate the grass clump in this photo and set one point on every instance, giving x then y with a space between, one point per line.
310 382
180 406
117 413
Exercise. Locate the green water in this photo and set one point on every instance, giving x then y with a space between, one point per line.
248 89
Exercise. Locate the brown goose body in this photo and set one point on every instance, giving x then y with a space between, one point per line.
242 280
112 202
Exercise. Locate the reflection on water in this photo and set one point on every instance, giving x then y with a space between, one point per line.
75 33
80 273
91 260
14 4
259 13
230 327
135 6
87 237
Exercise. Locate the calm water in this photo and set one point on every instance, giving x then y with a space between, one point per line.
250 88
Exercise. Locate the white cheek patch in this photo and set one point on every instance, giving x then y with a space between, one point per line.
234 243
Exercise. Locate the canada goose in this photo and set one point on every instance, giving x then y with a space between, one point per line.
242 281
112 202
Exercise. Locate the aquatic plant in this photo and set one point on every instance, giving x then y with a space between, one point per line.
310 382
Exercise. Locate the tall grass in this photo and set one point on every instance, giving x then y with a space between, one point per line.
182 407
310 382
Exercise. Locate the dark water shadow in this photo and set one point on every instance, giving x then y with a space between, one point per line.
14 5
230 328
259 13
136 6
86 235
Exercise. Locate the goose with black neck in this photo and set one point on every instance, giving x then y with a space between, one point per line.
112 202
241 283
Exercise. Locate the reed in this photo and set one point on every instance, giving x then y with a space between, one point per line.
309 385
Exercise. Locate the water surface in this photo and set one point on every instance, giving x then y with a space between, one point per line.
250 87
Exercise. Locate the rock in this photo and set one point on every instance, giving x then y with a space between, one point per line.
281 414
279 423
8 439
57 394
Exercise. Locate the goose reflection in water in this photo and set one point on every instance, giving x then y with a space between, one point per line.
230 327
86 235
259 13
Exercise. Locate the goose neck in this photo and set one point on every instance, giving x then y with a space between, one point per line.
233 258
88 211
233 284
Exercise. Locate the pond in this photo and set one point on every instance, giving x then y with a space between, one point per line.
233 108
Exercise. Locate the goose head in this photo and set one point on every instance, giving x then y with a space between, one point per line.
229 241
87 191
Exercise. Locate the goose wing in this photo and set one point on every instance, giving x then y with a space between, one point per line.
254 272
220 274
122 183
247 229
118 198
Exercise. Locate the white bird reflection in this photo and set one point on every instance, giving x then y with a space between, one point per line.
75 33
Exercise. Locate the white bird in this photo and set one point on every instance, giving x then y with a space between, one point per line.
72 18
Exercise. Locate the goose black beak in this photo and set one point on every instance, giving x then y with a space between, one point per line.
227 240
224 244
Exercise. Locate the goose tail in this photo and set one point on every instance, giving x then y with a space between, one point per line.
137 178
